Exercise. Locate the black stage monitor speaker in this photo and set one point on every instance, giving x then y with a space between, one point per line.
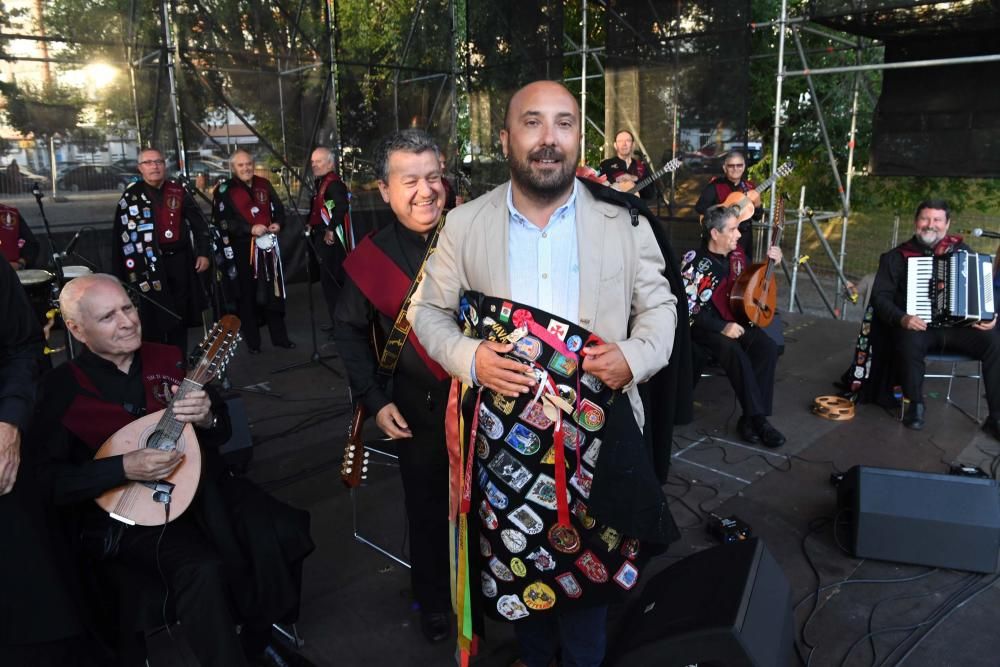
922 518
728 606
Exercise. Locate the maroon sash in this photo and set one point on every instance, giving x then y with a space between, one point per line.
245 200
93 419
720 297
319 200
385 285
912 248
723 188
168 213
10 233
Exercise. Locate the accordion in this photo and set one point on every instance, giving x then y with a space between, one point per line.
950 290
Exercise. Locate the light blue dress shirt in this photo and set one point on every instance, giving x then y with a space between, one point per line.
544 262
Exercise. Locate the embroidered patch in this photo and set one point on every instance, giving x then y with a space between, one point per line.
485 548
488 516
517 567
590 416
514 540
558 329
489 423
610 537
539 596
592 567
579 510
527 520
564 539
592 383
511 607
522 439
574 343
489 585
510 470
543 492
501 571
562 365
502 403
529 348
542 559
582 481
534 414
627 576
590 456
569 584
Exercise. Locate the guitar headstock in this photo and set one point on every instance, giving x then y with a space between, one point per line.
354 469
785 169
672 166
218 349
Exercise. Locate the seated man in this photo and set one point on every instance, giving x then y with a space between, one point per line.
214 558
747 354
912 338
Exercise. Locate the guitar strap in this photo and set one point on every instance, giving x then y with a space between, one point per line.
401 327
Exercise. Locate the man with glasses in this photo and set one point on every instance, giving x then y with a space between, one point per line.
160 243
733 179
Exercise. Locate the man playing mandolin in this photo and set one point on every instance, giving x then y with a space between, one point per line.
206 557
746 353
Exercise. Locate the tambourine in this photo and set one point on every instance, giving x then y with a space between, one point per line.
266 242
834 408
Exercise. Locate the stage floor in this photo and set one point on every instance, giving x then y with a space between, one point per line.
357 608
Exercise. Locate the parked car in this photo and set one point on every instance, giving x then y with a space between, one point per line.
93 177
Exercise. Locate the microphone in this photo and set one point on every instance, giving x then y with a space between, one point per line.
277 170
72 243
978 231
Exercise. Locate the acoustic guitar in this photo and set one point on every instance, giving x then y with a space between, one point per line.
144 503
636 186
354 467
747 201
755 294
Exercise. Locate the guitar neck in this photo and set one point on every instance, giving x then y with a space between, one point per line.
169 425
766 185
662 171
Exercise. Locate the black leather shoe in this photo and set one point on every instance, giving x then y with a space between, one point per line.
746 430
914 416
436 625
769 436
288 345
992 427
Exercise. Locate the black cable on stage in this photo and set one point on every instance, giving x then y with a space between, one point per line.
815 525
849 582
901 628
955 606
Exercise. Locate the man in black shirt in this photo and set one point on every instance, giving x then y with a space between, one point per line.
152 250
249 213
623 171
733 179
912 337
746 353
231 557
330 224
380 273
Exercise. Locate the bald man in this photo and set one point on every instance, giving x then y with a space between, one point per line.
208 556
330 225
542 246
249 213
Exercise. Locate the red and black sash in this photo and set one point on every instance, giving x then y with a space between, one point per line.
914 248
386 286
724 188
10 233
253 203
93 419
319 200
720 297
168 212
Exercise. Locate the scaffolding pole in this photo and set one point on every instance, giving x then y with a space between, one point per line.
583 80
777 98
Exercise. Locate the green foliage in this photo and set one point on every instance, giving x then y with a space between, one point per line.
43 112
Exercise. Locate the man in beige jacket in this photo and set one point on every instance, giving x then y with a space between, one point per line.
543 240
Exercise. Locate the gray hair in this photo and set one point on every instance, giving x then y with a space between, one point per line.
410 140
75 290
716 217
327 152
232 157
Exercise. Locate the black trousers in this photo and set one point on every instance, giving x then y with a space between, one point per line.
423 465
749 362
913 346
331 275
251 310
179 293
197 583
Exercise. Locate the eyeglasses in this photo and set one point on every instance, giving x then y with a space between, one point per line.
147 163
734 166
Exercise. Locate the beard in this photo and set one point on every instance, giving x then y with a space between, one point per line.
929 238
543 186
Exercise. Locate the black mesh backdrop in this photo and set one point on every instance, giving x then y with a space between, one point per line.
899 18
510 43
684 63
938 121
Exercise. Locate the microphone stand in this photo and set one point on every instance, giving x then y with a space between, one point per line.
316 357
57 258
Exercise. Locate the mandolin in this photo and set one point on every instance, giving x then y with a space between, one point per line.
755 294
635 186
354 468
144 503
747 201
